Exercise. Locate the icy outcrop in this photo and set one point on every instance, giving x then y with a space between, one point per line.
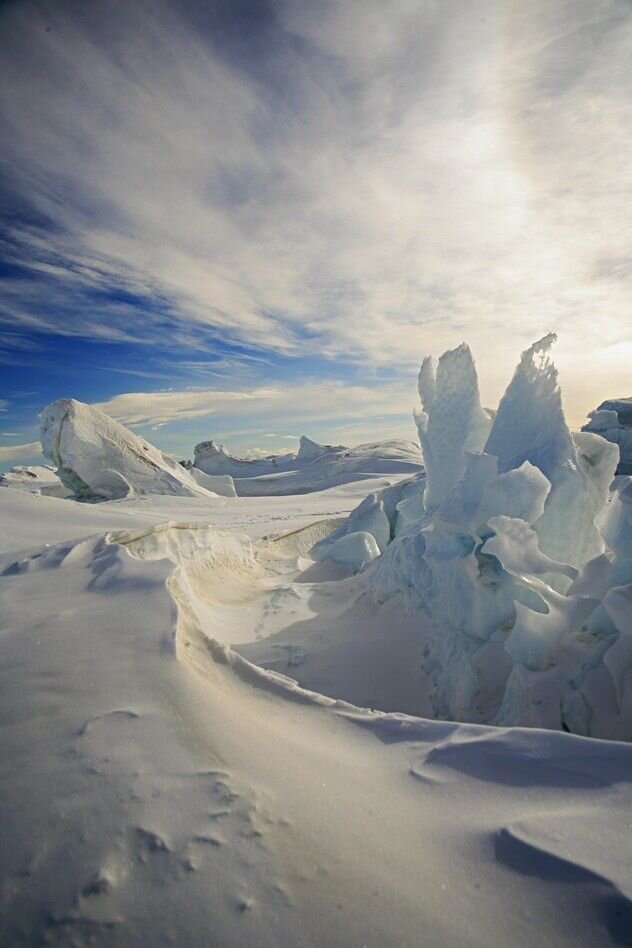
382 514
212 458
314 467
491 555
613 421
96 457
354 549
309 450
34 479
451 422
530 426
221 484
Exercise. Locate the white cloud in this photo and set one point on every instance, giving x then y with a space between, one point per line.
310 401
17 452
436 172
159 408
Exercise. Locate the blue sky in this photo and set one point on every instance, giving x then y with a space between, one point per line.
250 220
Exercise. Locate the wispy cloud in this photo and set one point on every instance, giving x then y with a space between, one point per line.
307 402
431 173
19 452
159 408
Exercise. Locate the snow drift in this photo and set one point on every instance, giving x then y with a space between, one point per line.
96 457
314 467
512 545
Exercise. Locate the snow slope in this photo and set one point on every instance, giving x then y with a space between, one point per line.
314 467
96 457
159 789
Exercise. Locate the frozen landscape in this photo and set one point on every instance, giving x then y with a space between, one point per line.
393 711
315 474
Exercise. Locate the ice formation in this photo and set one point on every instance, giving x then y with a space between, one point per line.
96 457
353 549
613 421
530 426
34 479
451 422
489 543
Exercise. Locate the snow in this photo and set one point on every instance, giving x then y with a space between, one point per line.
353 549
158 787
451 422
221 484
371 707
39 479
314 467
96 457
530 426
491 562
613 421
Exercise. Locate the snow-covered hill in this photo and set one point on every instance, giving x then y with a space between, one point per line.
314 467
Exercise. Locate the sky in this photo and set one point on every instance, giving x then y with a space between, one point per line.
252 219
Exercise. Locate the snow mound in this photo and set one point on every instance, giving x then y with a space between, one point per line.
613 421
315 466
491 546
309 450
35 479
212 458
98 458
221 484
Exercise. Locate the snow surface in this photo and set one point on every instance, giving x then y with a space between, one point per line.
314 467
160 789
96 457
223 718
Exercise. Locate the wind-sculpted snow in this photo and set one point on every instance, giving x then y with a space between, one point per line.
314 467
613 421
160 789
96 457
490 554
